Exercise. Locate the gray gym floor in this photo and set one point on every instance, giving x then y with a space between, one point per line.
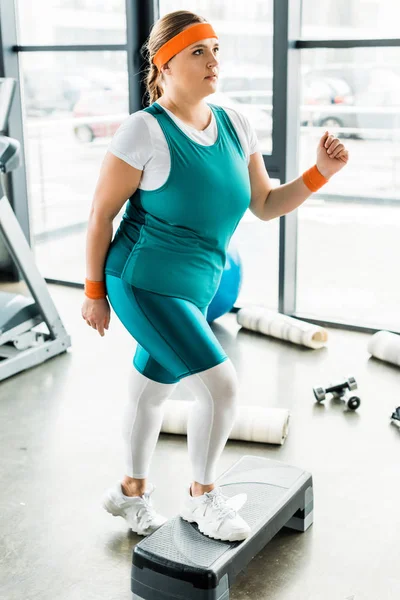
61 447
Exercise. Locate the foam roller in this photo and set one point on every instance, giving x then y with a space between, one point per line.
386 346
252 423
281 326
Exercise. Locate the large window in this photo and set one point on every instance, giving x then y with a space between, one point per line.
349 232
72 103
67 129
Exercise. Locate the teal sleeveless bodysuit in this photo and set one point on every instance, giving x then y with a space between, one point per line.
173 240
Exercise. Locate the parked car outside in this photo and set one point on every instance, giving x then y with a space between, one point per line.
375 87
254 86
47 91
104 111
324 101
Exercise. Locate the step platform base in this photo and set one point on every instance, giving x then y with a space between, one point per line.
178 562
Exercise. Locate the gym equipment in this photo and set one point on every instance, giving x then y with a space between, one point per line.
339 390
177 561
252 423
269 322
229 286
385 346
21 346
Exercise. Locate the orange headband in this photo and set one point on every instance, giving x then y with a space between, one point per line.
201 31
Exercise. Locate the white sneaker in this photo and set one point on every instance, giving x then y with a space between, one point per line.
216 514
137 510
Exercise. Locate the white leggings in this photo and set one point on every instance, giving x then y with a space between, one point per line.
210 419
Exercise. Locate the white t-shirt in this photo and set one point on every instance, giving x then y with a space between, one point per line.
140 142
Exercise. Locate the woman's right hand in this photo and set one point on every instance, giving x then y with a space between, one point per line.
96 313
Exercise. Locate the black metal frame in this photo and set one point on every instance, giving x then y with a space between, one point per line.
281 164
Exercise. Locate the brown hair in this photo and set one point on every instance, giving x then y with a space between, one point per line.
163 30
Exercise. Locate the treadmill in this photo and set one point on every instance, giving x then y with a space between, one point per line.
21 345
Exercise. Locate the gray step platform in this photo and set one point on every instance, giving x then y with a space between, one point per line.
177 561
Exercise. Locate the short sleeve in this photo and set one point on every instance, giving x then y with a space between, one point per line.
131 142
247 130
254 144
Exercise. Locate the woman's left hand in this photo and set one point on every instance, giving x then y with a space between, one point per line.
331 155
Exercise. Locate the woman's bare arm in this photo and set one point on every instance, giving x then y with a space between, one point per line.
116 183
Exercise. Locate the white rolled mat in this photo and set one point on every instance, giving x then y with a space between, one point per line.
263 320
252 423
386 346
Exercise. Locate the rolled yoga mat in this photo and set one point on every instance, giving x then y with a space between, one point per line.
252 423
386 346
280 326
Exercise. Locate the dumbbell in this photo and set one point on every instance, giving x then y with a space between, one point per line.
396 415
340 390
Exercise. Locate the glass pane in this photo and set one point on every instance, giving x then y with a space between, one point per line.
349 232
339 19
245 33
51 22
69 121
258 245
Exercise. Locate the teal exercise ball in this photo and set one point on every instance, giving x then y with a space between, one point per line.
229 286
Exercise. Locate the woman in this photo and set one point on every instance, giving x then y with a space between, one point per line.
190 170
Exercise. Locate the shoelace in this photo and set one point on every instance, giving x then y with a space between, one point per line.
146 511
217 500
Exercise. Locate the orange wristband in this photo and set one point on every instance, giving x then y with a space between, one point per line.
313 179
95 289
